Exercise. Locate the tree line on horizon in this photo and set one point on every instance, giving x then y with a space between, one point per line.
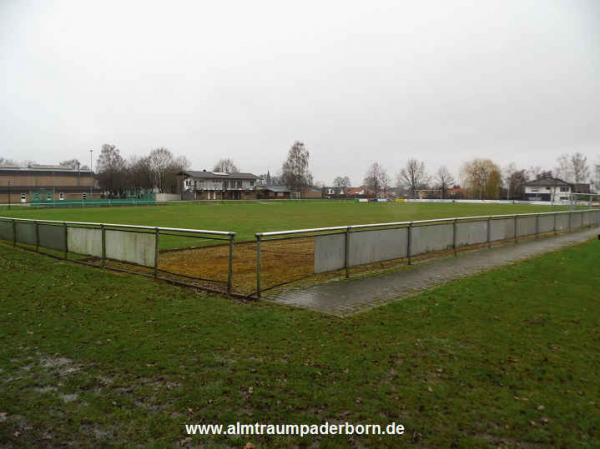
478 178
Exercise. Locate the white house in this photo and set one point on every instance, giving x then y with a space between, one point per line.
548 189
206 185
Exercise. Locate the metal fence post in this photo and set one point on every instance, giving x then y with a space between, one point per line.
156 239
103 232
347 251
489 231
66 240
454 225
409 243
230 265
14 226
554 224
258 265
537 227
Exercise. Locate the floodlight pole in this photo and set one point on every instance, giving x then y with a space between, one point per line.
91 172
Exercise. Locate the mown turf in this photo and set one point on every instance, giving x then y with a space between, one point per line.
91 359
247 218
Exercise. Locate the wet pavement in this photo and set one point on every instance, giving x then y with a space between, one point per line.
345 297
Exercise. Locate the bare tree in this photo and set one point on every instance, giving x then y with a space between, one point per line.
295 173
71 163
376 179
226 165
341 182
515 180
444 180
164 168
140 174
573 168
110 169
413 176
581 171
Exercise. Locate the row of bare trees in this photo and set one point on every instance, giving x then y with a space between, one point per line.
156 171
480 178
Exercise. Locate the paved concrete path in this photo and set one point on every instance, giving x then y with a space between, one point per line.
348 296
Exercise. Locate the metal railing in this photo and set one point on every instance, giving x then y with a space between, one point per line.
109 242
451 241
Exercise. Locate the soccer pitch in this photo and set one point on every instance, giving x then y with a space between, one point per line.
247 218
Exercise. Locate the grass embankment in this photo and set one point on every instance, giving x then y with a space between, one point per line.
93 359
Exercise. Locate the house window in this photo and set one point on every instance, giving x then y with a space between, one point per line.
239 183
564 189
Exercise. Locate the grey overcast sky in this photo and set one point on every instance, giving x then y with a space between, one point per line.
357 81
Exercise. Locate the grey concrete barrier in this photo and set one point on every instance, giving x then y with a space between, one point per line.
86 241
526 226
437 237
26 232
134 247
546 223
329 252
471 233
6 230
502 229
376 246
52 237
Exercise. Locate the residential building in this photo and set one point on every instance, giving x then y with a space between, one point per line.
207 185
273 192
551 189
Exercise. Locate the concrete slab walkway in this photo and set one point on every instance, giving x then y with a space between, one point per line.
349 296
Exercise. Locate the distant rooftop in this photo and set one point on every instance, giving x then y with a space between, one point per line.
43 168
217 175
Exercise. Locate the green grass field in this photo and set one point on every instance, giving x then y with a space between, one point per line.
93 359
247 218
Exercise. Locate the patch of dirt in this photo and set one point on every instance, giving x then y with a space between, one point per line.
282 261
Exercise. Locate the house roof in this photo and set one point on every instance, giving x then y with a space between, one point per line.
42 169
217 175
547 182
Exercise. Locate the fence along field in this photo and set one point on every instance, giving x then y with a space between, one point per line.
213 260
